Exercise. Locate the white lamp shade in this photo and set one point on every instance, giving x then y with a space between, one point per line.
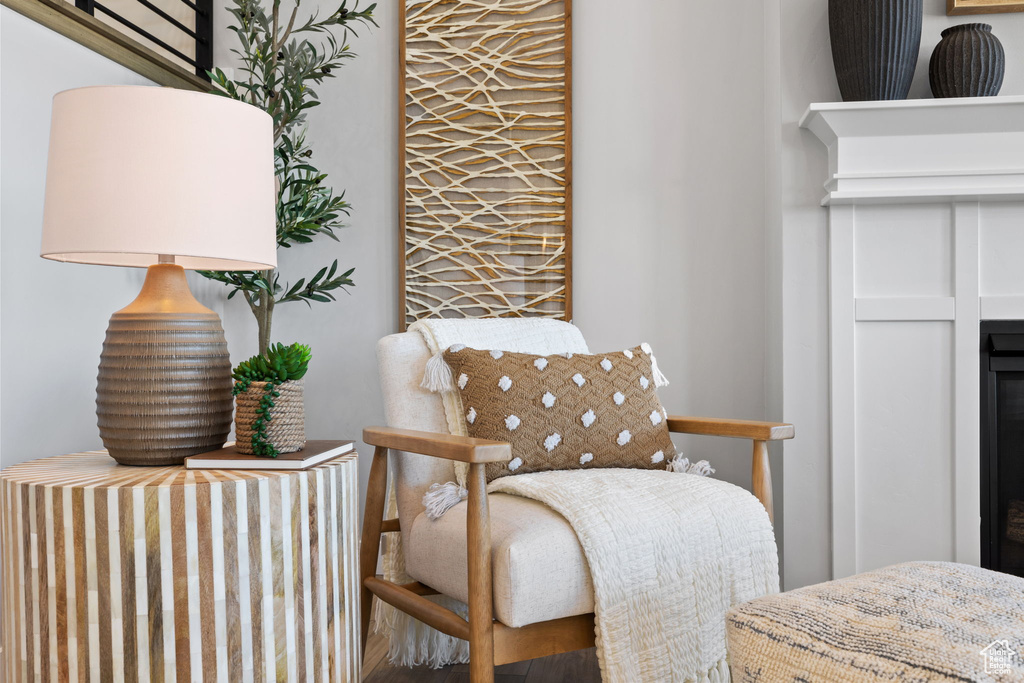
138 172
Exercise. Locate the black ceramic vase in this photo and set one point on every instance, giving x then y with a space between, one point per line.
875 46
968 62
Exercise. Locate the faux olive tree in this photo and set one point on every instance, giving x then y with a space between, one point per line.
283 57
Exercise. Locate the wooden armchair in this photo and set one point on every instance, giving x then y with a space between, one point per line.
516 632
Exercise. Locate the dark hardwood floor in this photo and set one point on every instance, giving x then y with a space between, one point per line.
579 667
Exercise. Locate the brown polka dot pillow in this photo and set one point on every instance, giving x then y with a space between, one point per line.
563 412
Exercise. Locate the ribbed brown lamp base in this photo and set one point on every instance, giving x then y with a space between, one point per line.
164 386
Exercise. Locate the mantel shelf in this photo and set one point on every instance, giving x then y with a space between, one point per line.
921 150
830 121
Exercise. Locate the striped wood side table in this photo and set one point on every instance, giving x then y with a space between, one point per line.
163 574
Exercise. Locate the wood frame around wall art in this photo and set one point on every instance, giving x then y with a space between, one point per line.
491 642
87 30
955 7
402 324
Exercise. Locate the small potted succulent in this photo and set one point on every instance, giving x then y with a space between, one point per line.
269 414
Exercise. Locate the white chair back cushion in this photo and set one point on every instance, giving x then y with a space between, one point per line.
402 359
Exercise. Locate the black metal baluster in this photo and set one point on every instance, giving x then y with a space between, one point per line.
204 37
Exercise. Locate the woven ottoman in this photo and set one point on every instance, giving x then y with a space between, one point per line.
919 621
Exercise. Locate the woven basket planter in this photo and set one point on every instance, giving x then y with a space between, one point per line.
286 429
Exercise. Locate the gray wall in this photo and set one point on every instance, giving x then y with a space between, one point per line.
669 195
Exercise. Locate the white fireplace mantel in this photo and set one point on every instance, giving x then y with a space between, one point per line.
926 239
921 150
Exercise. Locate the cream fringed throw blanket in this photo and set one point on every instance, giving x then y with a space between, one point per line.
669 553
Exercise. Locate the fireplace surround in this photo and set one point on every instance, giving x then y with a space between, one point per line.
925 202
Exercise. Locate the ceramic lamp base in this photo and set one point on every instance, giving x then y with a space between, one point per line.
164 385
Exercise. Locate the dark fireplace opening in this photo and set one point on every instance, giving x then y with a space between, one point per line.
1002 446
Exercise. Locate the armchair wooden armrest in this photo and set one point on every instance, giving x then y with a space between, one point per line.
740 429
461 448
759 432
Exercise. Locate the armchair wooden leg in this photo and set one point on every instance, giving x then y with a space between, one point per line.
481 600
762 478
373 518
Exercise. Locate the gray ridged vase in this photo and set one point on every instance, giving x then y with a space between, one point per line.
968 62
875 46
164 385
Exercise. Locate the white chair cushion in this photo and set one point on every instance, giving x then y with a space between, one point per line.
540 572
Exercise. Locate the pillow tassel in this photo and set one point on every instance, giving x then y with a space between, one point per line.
702 468
660 380
438 375
677 464
440 498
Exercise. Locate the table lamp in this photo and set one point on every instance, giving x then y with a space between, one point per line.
167 180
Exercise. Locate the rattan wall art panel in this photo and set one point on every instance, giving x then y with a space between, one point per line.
486 211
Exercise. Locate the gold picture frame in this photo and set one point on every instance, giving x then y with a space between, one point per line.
955 7
486 159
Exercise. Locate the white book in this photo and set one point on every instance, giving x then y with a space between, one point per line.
227 458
